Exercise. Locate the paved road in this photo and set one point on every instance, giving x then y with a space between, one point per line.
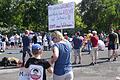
102 71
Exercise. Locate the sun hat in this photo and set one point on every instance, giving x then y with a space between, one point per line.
94 32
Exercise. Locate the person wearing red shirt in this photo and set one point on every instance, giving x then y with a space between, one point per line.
66 36
94 52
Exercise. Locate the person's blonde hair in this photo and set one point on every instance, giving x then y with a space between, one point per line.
58 35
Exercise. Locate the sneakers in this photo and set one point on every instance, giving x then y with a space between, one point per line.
114 59
73 63
79 62
108 59
93 63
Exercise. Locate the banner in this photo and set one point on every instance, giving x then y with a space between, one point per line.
61 16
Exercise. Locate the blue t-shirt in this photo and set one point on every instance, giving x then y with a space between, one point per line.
77 42
63 64
26 41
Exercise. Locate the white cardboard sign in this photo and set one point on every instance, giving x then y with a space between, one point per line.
61 16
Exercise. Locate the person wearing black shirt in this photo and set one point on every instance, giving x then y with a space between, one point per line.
36 65
112 45
26 46
34 39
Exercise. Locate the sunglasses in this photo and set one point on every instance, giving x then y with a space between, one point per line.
53 38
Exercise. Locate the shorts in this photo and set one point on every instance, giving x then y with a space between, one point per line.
7 43
12 43
67 76
112 46
77 52
94 51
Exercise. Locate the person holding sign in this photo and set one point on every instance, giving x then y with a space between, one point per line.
61 57
37 66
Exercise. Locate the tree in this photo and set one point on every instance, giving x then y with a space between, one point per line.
89 10
25 14
79 24
36 14
5 13
109 15
100 14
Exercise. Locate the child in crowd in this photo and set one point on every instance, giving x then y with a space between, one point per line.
37 66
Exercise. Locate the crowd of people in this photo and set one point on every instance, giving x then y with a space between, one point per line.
61 47
15 40
61 51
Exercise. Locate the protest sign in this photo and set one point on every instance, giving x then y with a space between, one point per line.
61 16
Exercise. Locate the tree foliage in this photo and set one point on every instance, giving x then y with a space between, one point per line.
110 14
17 15
25 14
5 13
79 24
100 14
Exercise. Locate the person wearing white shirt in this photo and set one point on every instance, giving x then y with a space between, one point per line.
39 39
12 41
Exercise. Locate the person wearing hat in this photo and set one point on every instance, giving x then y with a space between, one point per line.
36 63
66 36
94 52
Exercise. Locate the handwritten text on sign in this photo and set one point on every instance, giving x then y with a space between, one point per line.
61 16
